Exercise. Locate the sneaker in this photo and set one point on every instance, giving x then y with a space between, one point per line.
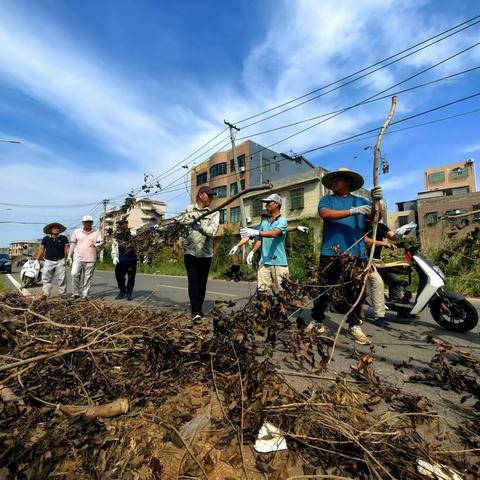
197 318
120 296
129 296
64 295
319 327
356 333
75 296
84 297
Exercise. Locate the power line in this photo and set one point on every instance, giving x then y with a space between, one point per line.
372 66
174 188
23 205
341 110
466 24
25 223
355 105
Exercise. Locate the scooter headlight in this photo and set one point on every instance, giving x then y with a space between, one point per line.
440 273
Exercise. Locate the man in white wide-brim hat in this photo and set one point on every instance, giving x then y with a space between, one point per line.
343 216
53 249
84 244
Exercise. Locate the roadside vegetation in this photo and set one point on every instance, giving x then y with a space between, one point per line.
3 285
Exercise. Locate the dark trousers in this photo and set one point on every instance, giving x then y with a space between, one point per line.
128 269
331 272
197 272
395 292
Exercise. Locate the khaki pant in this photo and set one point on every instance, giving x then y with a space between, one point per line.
269 277
49 270
82 276
376 289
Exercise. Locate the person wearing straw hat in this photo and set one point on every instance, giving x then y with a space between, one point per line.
84 244
343 216
53 249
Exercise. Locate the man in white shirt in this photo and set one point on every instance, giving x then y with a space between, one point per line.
83 249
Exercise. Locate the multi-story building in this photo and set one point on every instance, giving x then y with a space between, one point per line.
23 248
453 179
406 212
144 211
256 164
451 190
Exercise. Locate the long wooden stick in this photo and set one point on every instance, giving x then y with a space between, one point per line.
376 219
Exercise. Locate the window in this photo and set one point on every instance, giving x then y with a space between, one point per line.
476 216
241 163
402 220
220 191
257 207
218 169
296 198
458 173
266 165
457 211
233 187
460 191
431 218
277 166
202 178
437 177
223 216
235 215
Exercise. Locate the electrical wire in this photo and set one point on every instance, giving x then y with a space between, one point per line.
23 205
450 31
463 24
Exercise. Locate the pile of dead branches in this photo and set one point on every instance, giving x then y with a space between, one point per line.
91 390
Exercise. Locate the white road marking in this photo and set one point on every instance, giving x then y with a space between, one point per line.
17 285
208 291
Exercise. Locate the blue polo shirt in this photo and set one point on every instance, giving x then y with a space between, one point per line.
273 249
346 231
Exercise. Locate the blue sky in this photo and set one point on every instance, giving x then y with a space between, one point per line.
100 93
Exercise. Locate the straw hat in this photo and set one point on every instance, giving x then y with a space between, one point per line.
47 228
356 178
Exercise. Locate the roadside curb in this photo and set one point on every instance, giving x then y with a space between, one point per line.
18 286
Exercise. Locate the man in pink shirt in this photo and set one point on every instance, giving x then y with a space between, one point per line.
83 250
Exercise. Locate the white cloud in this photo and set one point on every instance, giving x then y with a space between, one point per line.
471 148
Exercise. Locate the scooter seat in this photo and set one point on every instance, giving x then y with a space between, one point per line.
396 264
398 283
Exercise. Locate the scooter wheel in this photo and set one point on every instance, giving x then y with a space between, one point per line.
27 282
456 315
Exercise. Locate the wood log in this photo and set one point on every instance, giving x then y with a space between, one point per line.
107 410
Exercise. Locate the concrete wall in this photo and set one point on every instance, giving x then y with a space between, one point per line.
23 248
432 235
450 181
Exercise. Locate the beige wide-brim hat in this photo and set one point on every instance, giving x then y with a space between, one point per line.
47 228
357 179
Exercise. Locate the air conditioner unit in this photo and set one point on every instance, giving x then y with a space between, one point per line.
242 169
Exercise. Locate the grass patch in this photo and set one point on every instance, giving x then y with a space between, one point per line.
3 285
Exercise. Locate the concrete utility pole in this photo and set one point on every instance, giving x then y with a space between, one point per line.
105 202
233 130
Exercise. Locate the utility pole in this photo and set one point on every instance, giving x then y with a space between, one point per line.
233 130
105 202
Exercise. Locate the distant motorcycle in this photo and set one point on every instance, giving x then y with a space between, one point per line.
450 310
31 273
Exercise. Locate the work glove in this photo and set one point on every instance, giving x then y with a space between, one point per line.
302 229
115 260
377 192
250 258
197 226
361 210
405 229
233 251
249 232
36 263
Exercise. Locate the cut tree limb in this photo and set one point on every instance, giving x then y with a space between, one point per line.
107 410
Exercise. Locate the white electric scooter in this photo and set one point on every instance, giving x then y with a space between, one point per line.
31 273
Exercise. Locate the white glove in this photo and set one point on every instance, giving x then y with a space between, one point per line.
302 229
377 192
98 243
361 210
115 260
233 251
249 232
36 263
250 258
406 228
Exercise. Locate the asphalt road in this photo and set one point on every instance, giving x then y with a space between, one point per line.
403 342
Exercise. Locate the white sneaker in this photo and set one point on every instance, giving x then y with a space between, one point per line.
317 325
356 333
